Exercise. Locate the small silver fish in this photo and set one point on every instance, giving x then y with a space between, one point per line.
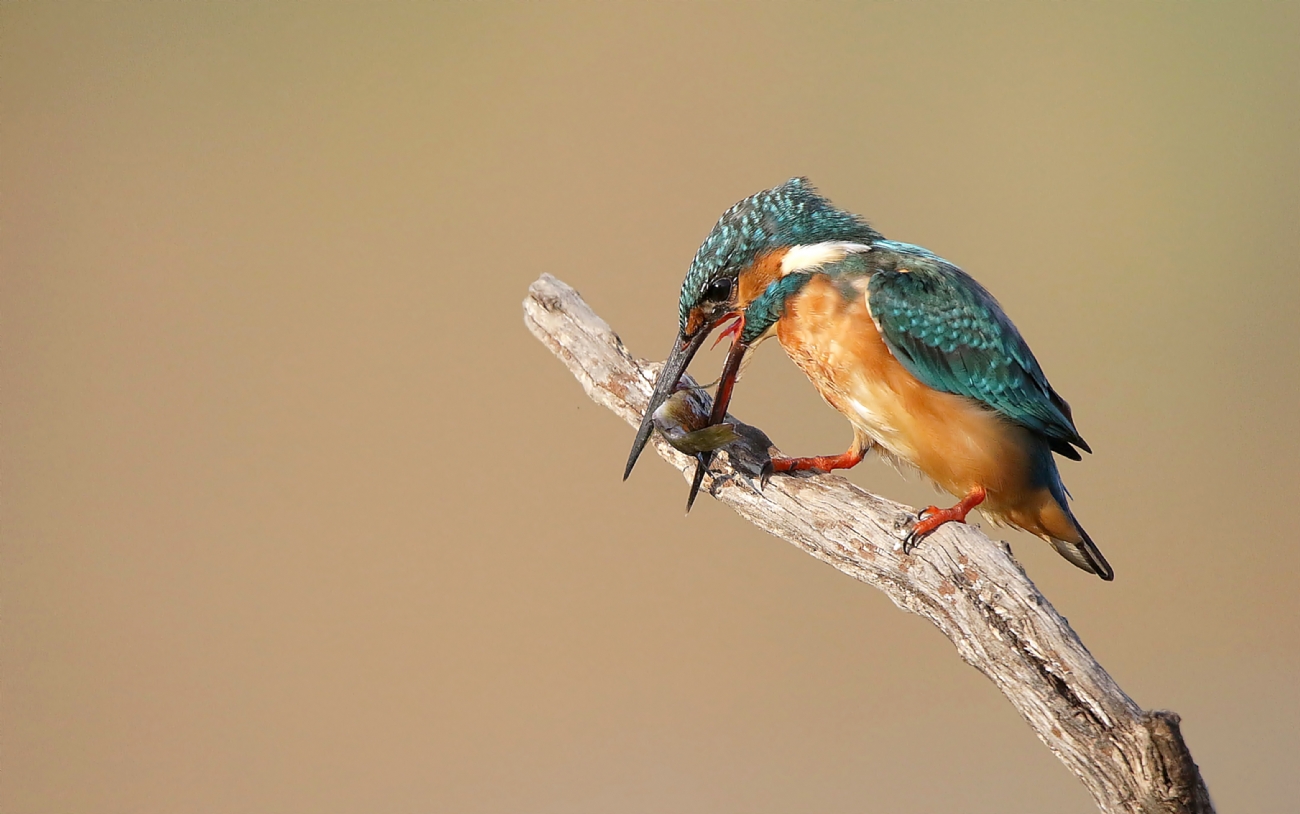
683 420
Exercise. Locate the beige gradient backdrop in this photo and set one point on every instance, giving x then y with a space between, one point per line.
298 517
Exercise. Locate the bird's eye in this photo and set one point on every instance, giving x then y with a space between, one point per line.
718 290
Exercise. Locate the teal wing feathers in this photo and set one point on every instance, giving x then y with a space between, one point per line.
950 333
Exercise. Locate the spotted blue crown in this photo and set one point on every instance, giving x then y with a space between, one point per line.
791 214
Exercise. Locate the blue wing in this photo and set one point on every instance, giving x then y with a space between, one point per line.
950 333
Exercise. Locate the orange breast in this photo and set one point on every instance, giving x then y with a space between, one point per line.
953 440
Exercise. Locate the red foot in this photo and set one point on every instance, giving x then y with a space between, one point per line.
822 463
933 517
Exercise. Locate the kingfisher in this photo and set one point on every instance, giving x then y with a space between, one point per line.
917 355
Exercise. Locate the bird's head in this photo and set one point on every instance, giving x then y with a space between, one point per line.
764 225
751 235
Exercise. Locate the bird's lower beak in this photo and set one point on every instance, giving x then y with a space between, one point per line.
730 370
684 349
727 383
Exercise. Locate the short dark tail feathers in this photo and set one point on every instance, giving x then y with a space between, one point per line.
1085 554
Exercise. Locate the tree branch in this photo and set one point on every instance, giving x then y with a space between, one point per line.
969 586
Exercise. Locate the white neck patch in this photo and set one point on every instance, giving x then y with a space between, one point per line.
815 255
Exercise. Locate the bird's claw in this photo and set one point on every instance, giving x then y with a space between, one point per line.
765 474
911 541
919 531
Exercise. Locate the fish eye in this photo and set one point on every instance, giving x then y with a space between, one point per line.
718 290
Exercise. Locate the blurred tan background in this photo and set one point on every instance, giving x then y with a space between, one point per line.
298 517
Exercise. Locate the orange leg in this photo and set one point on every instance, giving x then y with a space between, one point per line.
821 463
933 517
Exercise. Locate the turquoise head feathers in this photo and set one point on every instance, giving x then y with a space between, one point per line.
791 214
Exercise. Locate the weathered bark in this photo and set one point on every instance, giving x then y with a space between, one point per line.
969 586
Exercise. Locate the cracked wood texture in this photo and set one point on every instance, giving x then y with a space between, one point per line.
969 586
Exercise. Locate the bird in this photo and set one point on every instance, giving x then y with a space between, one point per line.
919 357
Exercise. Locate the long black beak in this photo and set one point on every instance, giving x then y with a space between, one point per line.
730 370
684 350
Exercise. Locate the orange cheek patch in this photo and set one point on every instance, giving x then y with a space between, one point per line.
755 279
694 321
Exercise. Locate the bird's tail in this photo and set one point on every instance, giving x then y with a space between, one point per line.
1077 547
1084 554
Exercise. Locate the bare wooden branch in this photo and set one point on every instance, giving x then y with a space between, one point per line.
969 586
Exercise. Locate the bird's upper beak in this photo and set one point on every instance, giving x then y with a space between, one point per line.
684 350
